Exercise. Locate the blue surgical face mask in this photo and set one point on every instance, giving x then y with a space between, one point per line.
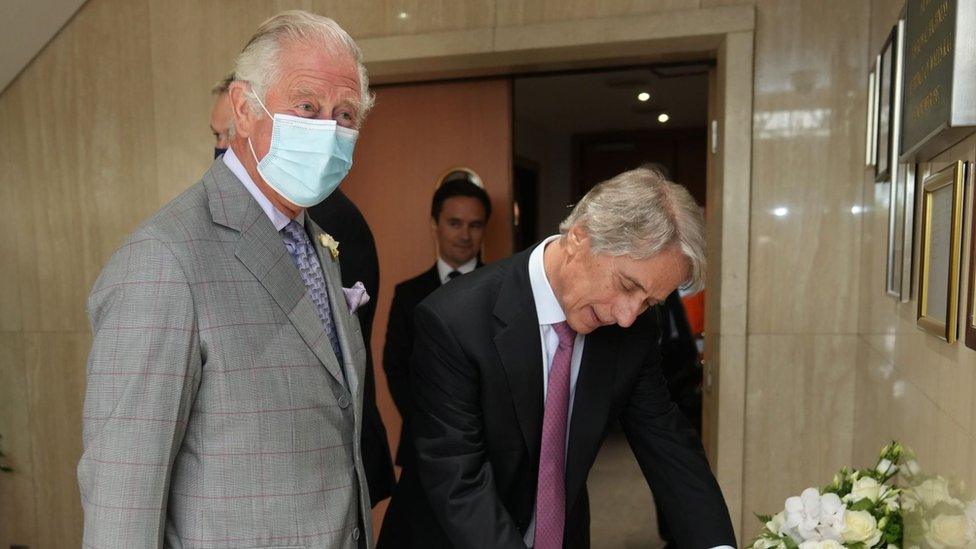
307 158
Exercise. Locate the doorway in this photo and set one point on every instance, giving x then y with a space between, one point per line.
724 34
573 130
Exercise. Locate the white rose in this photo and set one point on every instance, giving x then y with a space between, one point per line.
885 465
865 487
824 544
775 525
933 491
766 543
861 526
947 531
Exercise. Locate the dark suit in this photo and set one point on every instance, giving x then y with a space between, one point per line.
399 346
338 216
476 377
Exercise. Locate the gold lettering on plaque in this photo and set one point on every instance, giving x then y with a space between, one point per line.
924 68
927 103
930 28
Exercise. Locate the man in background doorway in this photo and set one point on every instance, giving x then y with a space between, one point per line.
339 217
458 214
222 116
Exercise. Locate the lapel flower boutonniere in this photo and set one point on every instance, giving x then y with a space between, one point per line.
328 242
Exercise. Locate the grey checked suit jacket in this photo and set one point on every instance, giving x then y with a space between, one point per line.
216 413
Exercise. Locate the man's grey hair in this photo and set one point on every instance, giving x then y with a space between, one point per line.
638 214
259 61
222 85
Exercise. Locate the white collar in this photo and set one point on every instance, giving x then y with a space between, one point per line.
443 269
278 219
546 305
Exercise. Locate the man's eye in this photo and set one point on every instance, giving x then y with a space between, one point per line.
307 107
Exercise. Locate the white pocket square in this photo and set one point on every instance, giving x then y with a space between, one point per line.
356 296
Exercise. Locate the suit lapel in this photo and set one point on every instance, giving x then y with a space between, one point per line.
591 406
263 253
347 324
520 348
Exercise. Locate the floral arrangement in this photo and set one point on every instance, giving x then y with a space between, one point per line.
860 509
935 511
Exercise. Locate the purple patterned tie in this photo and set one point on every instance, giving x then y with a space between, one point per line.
550 495
303 254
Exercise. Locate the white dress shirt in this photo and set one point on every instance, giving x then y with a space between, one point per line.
443 269
549 311
278 219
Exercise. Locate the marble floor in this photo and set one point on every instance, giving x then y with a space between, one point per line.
621 508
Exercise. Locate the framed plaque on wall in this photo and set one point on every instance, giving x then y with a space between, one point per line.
886 98
941 250
940 76
872 126
901 217
899 198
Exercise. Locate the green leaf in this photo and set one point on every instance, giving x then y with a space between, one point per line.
863 504
763 518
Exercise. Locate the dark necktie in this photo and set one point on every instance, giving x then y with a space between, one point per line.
452 275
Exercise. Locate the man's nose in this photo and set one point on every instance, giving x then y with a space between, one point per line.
625 314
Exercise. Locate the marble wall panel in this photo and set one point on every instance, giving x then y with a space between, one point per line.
18 519
809 94
799 416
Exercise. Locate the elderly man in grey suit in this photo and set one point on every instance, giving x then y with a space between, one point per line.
223 406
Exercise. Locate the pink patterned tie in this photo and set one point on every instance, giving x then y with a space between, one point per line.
550 495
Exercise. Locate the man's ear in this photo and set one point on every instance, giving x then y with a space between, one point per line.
577 240
244 117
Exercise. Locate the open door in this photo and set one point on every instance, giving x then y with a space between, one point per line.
709 376
414 136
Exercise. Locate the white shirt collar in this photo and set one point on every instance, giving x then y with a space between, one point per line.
443 269
546 305
278 219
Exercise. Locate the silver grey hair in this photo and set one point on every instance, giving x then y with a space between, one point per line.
638 214
221 87
258 63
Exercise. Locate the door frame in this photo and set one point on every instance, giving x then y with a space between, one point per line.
723 34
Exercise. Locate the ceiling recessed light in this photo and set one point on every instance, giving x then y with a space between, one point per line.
781 211
663 117
643 96
403 15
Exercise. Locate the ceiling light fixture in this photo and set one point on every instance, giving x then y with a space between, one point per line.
643 96
663 117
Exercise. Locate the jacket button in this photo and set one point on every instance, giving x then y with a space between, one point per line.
343 402
355 534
